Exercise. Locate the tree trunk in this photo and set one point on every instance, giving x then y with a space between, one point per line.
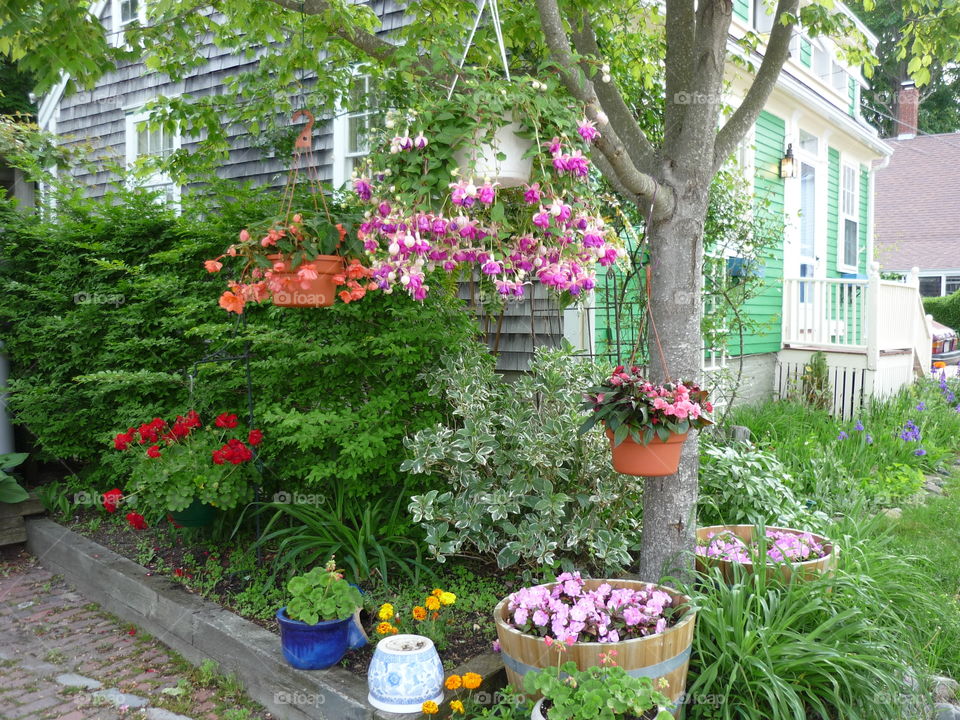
676 257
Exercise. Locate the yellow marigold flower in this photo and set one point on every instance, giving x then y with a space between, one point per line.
384 628
456 706
419 613
386 611
447 598
432 603
471 681
430 708
454 682
437 592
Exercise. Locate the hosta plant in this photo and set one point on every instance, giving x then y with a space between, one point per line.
173 464
511 476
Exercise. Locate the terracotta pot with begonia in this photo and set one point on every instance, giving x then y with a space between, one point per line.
646 423
304 260
186 463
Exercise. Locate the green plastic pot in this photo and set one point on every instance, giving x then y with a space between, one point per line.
196 514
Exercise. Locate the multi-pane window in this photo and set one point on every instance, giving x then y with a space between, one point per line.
850 221
147 146
952 284
352 128
128 10
931 286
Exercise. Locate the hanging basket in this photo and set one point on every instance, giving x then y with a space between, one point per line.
655 459
513 170
317 292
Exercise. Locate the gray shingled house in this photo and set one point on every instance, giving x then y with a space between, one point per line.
108 117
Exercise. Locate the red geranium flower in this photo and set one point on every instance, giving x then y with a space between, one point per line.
136 521
153 451
226 420
111 499
255 437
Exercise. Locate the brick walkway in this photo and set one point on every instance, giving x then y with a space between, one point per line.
62 658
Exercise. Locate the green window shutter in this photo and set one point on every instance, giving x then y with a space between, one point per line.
833 210
852 93
741 10
864 217
806 53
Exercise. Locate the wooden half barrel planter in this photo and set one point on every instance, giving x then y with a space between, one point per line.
664 655
805 570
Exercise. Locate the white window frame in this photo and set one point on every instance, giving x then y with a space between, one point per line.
343 159
133 120
117 25
848 211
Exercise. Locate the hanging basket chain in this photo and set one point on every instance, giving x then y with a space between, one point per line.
497 29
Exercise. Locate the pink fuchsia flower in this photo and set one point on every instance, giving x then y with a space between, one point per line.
486 194
588 130
532 194
363 189
420 142
542 219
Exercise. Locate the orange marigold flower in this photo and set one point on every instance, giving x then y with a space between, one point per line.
430 708
385 628
419 613
453 682
437 592
471 680
432 603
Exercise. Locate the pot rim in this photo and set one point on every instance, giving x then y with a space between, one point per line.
282 617
394 651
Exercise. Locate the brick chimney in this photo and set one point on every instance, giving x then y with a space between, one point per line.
908 109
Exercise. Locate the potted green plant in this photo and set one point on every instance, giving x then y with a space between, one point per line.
646 423
296 260
606 692
314 625
189 469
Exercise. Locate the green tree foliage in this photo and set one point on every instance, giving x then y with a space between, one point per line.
108 310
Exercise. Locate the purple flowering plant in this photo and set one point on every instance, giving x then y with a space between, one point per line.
780 546
568 612
630 405
423 213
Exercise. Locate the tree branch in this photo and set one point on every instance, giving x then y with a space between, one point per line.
680 29
624 172
775 55
368 43
621 117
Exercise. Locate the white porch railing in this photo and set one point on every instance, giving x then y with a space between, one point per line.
869 316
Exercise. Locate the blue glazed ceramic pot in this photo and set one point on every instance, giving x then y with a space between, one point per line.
404 673
313 647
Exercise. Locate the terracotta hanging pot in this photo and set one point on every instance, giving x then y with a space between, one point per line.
318 292
655 459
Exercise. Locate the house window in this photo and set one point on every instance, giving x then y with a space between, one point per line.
838 77
931 286
352 128
821 61
762 16
125 12
809 143
952 284
147 148
848 254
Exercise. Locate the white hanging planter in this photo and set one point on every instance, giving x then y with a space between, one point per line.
512 171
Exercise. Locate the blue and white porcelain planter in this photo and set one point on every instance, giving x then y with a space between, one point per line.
404 673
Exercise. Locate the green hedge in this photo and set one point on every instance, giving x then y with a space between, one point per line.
107 309
945 310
